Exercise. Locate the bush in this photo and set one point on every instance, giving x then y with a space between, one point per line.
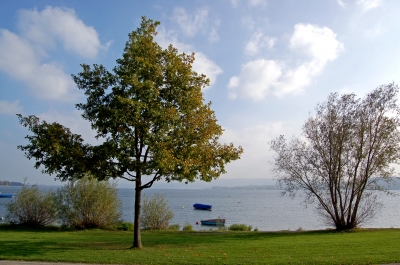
89 203
240 227
32 208
187 227
174 227
221 228
155 212
125 226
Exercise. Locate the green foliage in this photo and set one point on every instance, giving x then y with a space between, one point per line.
240 227
150 115
89 203
125 226
174 227
56 148
32 207
156 213
187 227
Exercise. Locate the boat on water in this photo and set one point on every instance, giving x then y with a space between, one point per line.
199 206
5 195
213 222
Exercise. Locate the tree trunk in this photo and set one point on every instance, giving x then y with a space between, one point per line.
137 241
346 226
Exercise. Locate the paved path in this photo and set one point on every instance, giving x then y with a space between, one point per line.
16 262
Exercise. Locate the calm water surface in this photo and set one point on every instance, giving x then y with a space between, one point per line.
266 210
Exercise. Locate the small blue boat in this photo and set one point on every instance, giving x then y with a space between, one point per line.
199 206
5 195
213 222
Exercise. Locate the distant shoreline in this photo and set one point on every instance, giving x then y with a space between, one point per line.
10 183
248 187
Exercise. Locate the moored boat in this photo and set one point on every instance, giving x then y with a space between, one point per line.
4 195
199 206
213 222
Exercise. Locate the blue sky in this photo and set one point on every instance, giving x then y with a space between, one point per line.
269 62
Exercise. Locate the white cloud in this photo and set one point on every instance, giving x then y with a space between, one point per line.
213 36
61 24
318 42
234 3
248 22
10 108
192 23
21 56
256 80
202 64
257 3
341 3
251 3
255 142
254 139
369 4
164 38
297 78
74 121
261 77
19 60
375 31
257 42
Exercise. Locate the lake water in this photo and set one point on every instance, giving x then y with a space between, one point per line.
266 210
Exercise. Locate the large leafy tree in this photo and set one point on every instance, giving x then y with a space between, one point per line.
151 115
344 154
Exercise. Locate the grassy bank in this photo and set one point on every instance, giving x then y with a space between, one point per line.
178 247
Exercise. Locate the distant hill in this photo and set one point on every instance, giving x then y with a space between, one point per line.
221 182
395 185
249 187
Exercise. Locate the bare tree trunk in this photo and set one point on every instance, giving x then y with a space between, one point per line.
137 240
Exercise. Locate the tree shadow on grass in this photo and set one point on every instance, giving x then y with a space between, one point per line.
22 249
155 238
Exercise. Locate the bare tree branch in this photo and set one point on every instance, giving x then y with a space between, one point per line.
350 145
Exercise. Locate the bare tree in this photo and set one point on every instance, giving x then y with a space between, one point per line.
345 150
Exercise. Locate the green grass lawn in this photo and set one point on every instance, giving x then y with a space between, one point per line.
375 246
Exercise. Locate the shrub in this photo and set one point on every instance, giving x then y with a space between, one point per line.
174 227
89 203
240 227
32 207
187 227
222 228
125 226
155 212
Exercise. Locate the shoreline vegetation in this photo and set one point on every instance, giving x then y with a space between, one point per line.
357 246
